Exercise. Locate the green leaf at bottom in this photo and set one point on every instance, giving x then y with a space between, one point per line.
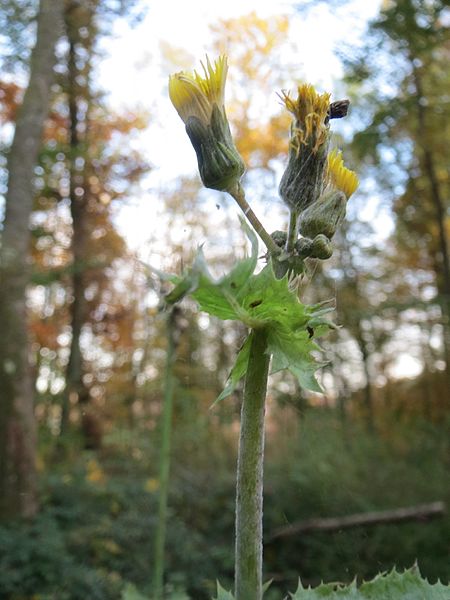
392 586
222 594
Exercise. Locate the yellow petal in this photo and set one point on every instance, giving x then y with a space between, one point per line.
339 176
194 95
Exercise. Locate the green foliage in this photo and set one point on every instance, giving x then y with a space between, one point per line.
392 586
259 301
35 559
335 471
130 592
94 536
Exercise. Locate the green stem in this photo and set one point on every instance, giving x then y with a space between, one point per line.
292 231
239 195
164 465
249 488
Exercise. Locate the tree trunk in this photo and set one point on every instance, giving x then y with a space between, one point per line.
18 495
368 399
75 391
429 169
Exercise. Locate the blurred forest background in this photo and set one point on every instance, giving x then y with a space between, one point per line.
80 427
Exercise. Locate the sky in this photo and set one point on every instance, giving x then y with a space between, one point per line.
135 72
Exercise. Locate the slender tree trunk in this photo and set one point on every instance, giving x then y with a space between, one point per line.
75 391
342 399
368 399
429 168
429 393
18 495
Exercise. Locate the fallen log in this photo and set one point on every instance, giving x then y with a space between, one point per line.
423 513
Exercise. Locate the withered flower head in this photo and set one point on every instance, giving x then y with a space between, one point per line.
303 180
310 110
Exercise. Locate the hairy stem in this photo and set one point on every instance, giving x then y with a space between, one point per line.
249 488
239 195
164 466
292 231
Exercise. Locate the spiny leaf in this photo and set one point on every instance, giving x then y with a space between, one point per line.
244 268
189 282
238 370
222 594
392 586
292 351
259 301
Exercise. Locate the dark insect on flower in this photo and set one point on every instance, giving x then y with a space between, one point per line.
338 109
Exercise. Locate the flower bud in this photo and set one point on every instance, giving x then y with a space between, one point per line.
279 237
324 215
303 246
321 247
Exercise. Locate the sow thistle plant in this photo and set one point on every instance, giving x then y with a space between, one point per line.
282 330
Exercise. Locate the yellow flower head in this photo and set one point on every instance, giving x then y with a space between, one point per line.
310 110
194 95
339 176
199 100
